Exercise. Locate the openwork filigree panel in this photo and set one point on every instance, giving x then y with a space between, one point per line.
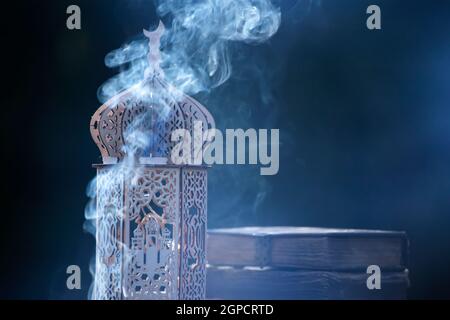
193 248
108 273
152 234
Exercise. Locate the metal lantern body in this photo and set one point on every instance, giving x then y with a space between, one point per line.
151 213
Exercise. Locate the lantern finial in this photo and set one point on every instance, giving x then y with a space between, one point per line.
154 41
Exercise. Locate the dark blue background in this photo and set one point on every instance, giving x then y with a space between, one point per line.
364 118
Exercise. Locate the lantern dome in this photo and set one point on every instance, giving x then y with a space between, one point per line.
141 119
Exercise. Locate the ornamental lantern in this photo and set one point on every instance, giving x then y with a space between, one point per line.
151 212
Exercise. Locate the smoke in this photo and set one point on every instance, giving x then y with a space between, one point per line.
196 51
196 46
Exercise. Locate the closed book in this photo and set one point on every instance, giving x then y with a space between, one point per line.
267 283
307 248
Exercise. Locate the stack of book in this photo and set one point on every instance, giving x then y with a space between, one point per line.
306 263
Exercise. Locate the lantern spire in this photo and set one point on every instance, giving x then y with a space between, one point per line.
154 53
